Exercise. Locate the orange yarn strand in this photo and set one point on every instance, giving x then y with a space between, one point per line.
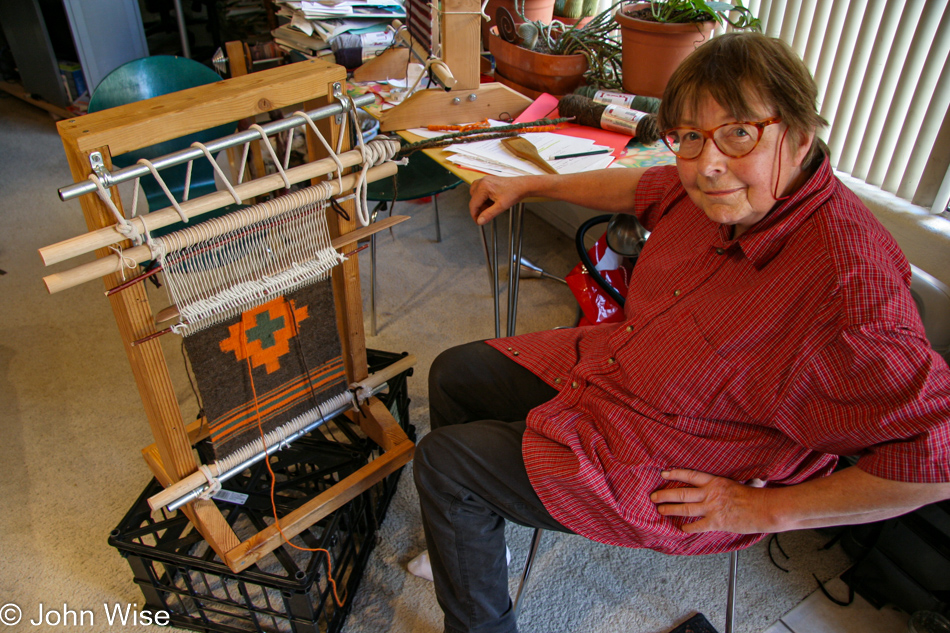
458 128
273 477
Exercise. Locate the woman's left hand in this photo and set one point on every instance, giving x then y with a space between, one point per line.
720 504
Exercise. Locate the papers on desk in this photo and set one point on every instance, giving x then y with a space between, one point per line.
491 157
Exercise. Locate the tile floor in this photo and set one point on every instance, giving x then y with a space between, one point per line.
817 614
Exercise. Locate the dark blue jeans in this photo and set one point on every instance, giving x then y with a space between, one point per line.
471 477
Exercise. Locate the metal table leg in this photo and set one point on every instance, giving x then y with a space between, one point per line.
515 228
491 262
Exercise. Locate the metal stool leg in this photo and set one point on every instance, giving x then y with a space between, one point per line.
532 551
491 258
731 596
438 229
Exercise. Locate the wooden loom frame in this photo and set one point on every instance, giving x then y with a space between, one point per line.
133 126
465 99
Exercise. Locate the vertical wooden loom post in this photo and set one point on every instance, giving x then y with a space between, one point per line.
134 319
346 277
461 41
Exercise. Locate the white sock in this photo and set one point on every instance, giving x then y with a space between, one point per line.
421 566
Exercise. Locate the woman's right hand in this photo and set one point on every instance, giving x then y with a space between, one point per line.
493 195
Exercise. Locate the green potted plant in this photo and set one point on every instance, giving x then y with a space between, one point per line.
534 57
657 35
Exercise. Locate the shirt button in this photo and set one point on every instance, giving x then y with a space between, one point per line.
677 293
509 349
720 251
611 361
574 385
557 381
630 328
514 353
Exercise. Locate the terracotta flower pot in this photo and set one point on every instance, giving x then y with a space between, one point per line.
555 74
576 22
534 10
651 51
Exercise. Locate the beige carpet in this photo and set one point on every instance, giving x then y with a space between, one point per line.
72 428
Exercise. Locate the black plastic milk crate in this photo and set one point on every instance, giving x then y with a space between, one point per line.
287 590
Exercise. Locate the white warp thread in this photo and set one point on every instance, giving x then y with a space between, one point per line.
222 267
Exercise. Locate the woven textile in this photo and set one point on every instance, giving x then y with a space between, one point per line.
268 366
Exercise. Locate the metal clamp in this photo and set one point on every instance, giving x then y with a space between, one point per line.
344 100
99 169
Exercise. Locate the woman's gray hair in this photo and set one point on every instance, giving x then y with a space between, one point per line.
742 70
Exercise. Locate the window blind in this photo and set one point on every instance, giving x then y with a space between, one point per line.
883 74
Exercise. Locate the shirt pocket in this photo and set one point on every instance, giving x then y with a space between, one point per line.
676 370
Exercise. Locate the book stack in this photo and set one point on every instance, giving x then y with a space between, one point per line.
290 38
327 28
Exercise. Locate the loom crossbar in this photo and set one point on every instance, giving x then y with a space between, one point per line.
181 157
175 496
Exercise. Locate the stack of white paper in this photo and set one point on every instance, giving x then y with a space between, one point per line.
491 157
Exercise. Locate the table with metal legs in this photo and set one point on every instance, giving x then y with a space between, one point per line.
490 245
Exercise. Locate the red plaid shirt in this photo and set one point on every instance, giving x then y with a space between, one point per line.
762 357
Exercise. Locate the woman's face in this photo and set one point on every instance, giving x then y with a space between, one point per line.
739 191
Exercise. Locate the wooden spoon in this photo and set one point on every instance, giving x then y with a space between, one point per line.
522 148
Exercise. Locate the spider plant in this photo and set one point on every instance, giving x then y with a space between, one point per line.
596 40
686 11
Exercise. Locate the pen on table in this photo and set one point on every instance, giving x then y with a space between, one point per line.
591 153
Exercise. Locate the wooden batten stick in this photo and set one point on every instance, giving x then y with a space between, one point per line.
103 238
138 254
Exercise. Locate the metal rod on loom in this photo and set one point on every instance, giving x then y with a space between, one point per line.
273 448
189 488
104 237
239 138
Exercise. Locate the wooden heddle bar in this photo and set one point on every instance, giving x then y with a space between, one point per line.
305 86
127 258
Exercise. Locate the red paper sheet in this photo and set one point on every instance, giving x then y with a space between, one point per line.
545 106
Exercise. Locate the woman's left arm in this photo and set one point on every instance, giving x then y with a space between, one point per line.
845 497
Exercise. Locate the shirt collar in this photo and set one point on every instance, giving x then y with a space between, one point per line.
765 240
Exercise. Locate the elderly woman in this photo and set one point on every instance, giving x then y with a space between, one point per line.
768 329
